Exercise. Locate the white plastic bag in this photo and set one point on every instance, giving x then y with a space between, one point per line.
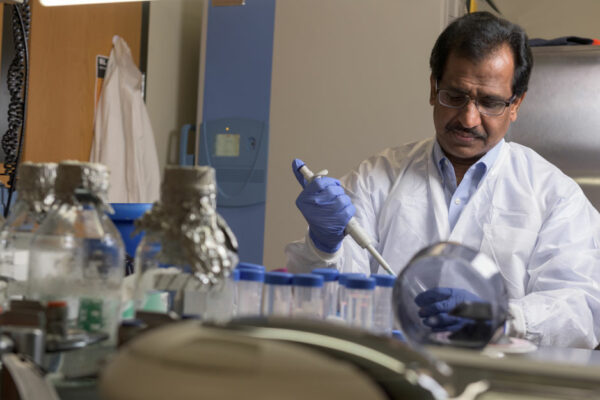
123 137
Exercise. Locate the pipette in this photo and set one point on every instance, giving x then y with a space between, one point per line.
353 228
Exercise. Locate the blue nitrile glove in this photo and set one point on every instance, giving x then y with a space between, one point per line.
326 208
436 305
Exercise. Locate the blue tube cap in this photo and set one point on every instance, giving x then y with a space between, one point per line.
360 282
251 275
384 280
328 274
244 265
396 334
307 280
278 278
344 277
235 275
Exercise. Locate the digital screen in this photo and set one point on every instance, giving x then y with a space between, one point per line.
227 145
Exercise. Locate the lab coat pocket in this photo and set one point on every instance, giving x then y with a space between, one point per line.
510 248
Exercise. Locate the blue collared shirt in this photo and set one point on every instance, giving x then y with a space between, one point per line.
458 197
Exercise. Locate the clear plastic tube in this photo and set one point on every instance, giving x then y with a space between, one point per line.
359 296
249 296
342 297
277 294
308 296
383 317
330 291
330 302
277 300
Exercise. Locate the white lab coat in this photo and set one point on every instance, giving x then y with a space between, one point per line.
123 137
531 219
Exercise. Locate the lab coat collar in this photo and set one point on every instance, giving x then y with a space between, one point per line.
436 194
446 170
482 197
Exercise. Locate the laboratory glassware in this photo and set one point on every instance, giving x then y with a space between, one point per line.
77 255
35 188
221 304
187 248
217 304
449 267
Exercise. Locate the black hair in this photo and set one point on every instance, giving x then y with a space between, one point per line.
476 36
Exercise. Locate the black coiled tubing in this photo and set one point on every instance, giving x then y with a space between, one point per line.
18 73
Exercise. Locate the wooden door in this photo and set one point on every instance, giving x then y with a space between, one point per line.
64 43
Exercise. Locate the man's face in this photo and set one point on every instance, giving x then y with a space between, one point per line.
464 133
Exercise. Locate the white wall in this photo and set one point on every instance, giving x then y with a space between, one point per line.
350 77
550 19
172 79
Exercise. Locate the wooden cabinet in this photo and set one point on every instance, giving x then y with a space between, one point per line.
64 43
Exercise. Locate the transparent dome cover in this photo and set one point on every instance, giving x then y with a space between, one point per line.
450 294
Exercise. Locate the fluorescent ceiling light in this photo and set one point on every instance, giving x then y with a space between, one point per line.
50 3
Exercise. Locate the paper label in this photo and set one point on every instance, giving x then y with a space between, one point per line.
227 145
14 264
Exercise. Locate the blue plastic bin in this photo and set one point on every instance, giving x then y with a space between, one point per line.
125 214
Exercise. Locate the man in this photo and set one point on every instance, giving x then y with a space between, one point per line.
469 186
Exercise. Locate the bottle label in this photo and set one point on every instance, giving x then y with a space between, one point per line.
156 301
14 264
90 315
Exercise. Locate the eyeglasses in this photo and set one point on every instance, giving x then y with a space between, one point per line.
492 107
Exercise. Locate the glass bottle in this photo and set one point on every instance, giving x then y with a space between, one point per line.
187 246
221 305
77 255
35 188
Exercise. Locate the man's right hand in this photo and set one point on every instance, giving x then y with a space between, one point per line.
326 208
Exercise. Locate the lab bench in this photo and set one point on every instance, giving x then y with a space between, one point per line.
546 373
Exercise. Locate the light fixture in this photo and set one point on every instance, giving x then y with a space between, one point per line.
50 3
